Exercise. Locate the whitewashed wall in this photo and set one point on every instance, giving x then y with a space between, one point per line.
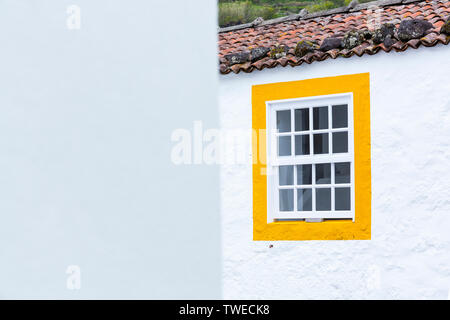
409 254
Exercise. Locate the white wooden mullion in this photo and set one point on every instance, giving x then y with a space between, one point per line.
311 141
293 155
299 103
313 184
277 194
283 134
305 132
317 186
295 188
332 186
310 214
292 134
330 136
340 157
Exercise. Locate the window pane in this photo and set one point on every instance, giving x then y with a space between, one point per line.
323 199
323 173
340 142
302 144
342 172
304 199
287 200
286 175
284 146
342 199
301 119
284 121
320 118
304 174
321 143
340 117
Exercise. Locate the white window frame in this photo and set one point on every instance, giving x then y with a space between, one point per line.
274 161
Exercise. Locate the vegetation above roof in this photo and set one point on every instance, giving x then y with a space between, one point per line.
235 12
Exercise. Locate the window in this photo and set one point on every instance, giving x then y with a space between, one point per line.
311 158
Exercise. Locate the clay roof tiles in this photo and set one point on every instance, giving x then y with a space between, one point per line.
316 27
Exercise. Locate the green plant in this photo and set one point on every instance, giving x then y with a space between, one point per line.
320 6
231 13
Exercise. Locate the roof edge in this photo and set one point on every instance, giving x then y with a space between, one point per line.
349 8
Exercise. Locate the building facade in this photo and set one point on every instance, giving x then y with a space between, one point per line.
342 190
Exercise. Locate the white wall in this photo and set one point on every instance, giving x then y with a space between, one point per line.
86 177
409 254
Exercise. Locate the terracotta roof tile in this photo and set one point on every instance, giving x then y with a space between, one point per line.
317 27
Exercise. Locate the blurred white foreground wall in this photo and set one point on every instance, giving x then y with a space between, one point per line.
91 205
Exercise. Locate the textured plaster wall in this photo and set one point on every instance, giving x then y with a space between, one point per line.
409 254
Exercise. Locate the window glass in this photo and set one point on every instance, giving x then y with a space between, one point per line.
342 199
286 175
301 144
340 116
304 199
301 119
323 199
284 146
304 174
340 142
284 121
342 172
320 118
287 200
323 173
321 143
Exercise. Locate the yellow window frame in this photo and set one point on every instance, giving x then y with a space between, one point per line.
360 228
